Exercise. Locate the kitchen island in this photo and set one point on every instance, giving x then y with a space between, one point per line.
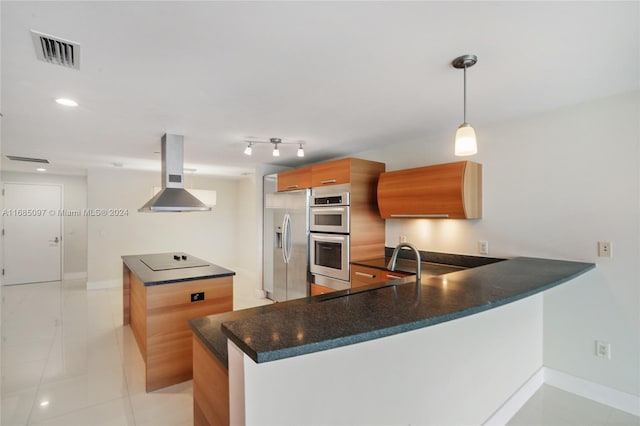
161 293
448 352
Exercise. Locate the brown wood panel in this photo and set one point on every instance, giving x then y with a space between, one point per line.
367 227
210 388
320 289
138 318
291 180
436 191
126 294
331 173
169 309
176 294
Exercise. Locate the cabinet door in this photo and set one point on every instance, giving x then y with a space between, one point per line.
294 179
331 173
320 289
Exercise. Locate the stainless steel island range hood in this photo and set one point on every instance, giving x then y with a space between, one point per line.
173 197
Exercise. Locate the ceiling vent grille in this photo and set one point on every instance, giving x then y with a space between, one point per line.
56 50
27 159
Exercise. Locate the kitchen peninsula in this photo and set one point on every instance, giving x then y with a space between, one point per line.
161 293
449 352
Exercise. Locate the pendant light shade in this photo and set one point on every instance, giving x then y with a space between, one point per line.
465 142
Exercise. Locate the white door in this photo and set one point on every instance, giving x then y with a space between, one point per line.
32 225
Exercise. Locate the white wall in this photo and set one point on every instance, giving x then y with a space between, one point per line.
455 373
554 185
212 236
74 241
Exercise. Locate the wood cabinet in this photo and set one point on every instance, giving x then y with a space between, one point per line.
291 180
452 190
331 173
346 170
364 275
320 289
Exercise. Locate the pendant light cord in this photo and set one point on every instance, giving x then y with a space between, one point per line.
465 95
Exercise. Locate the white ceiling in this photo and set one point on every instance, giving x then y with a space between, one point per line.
342 76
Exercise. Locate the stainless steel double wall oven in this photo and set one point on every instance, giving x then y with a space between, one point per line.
329 237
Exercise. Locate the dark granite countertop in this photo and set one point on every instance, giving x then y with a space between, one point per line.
167 270
346 317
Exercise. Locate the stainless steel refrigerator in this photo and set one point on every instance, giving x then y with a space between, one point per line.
286 242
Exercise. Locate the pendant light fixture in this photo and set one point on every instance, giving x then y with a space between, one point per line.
300 151
465 135
248 150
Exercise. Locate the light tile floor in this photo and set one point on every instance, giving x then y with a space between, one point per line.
550 406
67 360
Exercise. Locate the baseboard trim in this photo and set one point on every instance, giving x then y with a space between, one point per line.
603 394
74 276
517 400
98 285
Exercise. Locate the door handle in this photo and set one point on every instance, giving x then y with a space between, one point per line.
56 240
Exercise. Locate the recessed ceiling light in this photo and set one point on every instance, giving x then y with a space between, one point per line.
41 169
67 102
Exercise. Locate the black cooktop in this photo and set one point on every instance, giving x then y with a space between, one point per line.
168 261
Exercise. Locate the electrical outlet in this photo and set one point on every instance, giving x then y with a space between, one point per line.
402 238
603 349
604 249
483 247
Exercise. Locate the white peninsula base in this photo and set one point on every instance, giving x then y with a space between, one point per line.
457 372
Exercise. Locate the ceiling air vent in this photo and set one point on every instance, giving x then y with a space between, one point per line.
56 50
27 159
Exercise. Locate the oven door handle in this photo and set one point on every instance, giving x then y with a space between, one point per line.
328 209
328 238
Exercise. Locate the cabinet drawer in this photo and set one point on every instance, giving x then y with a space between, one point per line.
364 275
294 179
331 173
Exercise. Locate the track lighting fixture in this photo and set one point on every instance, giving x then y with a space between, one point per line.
276 142
465 142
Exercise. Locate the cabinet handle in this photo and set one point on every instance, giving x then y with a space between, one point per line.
362 274
292 186
324 182
434 215
393 276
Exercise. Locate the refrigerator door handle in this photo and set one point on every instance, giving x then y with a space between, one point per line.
284 238
287 238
